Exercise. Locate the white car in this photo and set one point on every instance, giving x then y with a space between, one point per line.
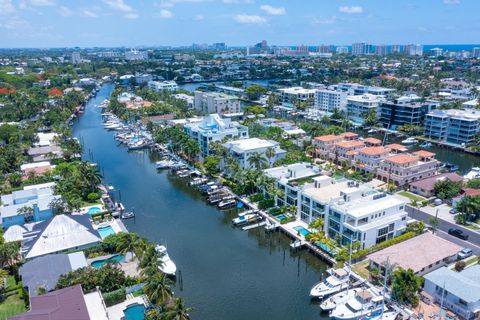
465 253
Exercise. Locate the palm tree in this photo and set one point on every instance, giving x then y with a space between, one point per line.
157 288
258 161
177 311
270 153
129 242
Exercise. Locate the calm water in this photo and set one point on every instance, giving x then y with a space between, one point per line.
227 273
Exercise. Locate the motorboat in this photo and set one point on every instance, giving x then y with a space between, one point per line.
164 164
363 304
372 131
339 298
128 215
410 141
389 315
426 144
167 266
248 218
244 213
337 281
450 167
198 181
473 174
225 204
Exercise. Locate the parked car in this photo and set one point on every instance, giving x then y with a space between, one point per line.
453 211
458 233
465 253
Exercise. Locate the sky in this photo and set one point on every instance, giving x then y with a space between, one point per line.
133 23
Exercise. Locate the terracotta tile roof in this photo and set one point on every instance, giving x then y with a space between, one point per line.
471 192
424 154
429 183
374 150
402 158
397 147
349 135
351 152
350 144
372 140
328 138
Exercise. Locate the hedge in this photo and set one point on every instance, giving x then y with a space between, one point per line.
266 203
114 297
383 245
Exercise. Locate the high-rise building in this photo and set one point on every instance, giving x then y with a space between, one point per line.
219 46
381 50
76 58
476 52
264 44
436 52
136 55
361 48
324 49
341 50
413 49
396 48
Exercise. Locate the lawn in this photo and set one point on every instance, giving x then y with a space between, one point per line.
11 306
471 226
361 269
412 196
471 260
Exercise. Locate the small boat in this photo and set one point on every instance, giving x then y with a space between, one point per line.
372 131
363 304
337 281
198 181
128 215
389 315
164 164
227 203
426 144
244 213
339 298
450 167
410 141
245 219
473 174
167 266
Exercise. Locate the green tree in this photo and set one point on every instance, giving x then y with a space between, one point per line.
158 288
370 118
474 183
405 286
211 165
258 161
176 311
254 91
446 189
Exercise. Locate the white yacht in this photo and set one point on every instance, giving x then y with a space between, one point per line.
245 219
410 141
363 305
164 164
474 173
168 266
337 281
337 299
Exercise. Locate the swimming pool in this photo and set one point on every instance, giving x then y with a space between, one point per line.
135 312
281 217
302 230
100 263
93 210
105 231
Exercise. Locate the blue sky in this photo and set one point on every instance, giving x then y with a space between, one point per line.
58 23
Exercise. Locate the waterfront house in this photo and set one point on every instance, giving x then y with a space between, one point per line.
456 291
44 271
214 128
425 187
243 149
456 127
216 102
324 145
37 168
422 254
290 96
162 85
31 204
359 89
368 160
58 234
358 105
40 154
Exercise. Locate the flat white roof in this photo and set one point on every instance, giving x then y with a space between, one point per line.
95 306
244 145
297 90
293 171
326 193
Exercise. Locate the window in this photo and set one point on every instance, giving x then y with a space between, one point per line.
391 227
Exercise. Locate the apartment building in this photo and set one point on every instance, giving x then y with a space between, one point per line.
453 126
162 85
358 105
214 128
215 102
368 160
404 110
404 168
355 89
327 100
290 96
362 48
243 149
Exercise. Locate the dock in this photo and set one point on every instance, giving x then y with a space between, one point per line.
297 244
253 226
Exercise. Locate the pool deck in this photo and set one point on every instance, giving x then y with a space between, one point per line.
129 266
116 311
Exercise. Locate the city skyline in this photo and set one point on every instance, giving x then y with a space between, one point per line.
113 23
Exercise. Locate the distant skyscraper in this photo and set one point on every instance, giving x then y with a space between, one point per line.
324 49
136 55
396 48
264 44
413 49
76 58
436 52
381 50
361 48
341 50
219 46
476 52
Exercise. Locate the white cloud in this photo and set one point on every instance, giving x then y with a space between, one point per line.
119 5
89 13
65 11
165 14
199 17
132 15
249 19
351 9
172 3
42 3
329 20
6 7
273 11
451 1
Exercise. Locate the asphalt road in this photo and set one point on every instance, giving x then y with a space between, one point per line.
442 230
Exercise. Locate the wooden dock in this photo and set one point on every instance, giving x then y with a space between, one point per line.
253 226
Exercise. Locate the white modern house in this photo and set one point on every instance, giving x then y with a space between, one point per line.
215 102
289 96
162 85
327 100
358 105
459 291
243 149
214 128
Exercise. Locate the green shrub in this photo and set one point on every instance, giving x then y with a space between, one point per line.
287 220
114 297
256 197
93 196
266 203
275 211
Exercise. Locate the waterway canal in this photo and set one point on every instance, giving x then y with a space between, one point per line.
227 273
